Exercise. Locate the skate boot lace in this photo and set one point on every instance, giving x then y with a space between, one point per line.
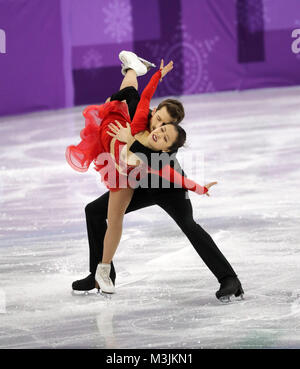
105 276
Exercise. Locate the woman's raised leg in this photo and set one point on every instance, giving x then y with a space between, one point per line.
129 80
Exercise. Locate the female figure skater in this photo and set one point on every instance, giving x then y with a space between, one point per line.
96 140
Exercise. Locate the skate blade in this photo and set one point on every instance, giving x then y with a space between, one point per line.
147 63
84 293
225 299
231 298
106 295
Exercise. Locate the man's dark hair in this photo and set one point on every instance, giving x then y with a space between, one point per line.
180 140
174 108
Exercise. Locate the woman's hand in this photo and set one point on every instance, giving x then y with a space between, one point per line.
121 133
166 69
208 187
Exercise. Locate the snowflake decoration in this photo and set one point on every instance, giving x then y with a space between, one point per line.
118 20
193 76
92 59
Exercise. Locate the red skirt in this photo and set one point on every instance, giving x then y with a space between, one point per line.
95 144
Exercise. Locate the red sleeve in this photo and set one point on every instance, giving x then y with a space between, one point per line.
172 175
140 120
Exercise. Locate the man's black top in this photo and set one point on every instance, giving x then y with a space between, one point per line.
132 97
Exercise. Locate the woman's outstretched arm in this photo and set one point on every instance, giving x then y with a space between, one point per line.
140 120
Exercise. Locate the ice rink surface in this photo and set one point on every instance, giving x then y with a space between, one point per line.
249 142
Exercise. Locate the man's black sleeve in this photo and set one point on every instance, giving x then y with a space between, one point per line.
137 148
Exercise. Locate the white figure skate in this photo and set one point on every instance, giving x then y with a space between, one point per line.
131 61
102 277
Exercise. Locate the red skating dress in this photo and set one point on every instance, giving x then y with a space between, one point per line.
95 142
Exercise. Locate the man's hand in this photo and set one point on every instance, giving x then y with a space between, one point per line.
121 133
166 69
208 187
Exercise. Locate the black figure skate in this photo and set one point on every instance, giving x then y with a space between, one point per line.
85 285
230 286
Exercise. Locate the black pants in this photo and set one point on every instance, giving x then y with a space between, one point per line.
178 206
132 97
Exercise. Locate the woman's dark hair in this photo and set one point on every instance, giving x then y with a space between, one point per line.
181 138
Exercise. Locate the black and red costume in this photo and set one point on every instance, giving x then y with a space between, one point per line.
95 140
174 201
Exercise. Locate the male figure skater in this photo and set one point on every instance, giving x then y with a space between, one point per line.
173 200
